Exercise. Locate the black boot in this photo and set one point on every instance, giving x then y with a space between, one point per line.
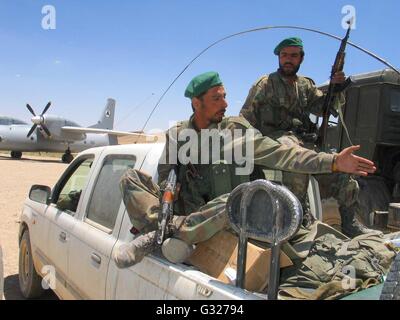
351 227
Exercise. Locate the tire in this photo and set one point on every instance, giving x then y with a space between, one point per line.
30 282
391 287
16 154
67 158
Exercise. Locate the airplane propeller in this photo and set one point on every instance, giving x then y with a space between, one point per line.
38 120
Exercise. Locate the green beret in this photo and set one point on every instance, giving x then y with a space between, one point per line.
202 83
289 42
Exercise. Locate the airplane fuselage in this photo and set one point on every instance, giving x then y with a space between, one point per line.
14 138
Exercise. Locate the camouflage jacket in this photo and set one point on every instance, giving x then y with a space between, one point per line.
202 182
275 106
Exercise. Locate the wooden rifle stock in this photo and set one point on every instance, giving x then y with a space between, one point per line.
167 205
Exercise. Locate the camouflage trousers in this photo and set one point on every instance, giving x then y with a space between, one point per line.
141 198
203 224
342 187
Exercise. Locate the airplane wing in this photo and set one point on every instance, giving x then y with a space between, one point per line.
107 131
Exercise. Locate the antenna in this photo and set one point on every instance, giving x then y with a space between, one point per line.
261 29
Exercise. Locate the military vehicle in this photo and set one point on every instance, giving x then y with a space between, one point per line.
372 116
68 235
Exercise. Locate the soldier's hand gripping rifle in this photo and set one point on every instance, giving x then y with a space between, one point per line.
167 205
333 88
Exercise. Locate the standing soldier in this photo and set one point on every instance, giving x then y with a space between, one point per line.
279 105
205 187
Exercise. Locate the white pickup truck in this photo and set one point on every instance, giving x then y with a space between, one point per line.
71 245
68 235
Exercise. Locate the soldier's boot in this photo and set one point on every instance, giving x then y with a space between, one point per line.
351 227
133 252
176 250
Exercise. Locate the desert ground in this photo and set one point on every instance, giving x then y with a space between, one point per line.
17 176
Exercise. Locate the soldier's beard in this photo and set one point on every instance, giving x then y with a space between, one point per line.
216 118
289 73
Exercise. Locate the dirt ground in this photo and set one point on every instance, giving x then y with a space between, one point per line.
17 177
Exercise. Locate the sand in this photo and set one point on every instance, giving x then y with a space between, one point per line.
17 177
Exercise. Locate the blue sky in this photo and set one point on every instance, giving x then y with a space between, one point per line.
132 50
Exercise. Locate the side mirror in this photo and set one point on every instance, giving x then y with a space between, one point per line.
39 193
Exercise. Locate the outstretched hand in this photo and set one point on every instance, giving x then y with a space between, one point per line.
347 162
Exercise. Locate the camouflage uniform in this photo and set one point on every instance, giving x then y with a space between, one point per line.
274 106
281 110
205 187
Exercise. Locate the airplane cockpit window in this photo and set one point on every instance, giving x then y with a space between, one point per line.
106 198
71 123
16 121
71 192
10 121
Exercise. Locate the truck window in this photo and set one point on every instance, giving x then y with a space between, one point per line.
71 192
106 196
395 101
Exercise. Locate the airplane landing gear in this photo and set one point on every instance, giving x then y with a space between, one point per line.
67 156
16 154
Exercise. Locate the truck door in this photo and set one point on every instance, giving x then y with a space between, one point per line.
61 214
95 235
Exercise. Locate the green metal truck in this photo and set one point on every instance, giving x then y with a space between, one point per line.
372 116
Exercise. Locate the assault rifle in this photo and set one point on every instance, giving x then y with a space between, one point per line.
333 89
167 206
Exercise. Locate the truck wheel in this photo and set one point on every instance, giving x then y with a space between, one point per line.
30 282
67 158
391 287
